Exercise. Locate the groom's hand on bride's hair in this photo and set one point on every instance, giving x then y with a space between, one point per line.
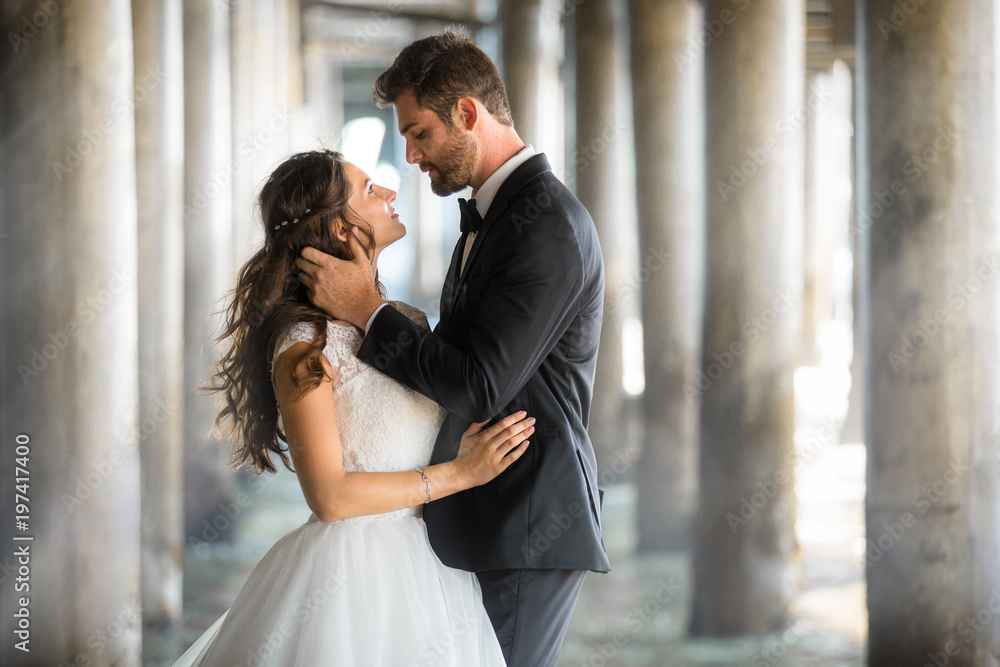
343 289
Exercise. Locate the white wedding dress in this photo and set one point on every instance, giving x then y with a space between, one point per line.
366 591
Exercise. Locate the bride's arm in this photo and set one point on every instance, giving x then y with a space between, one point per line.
310 423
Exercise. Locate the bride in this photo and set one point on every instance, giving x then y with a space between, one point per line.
358 583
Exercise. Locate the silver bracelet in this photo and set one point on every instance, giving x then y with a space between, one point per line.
427 482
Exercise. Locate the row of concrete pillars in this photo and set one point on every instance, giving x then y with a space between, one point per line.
131 135
120 181
720 107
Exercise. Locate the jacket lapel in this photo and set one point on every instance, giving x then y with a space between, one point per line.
449 291
505 196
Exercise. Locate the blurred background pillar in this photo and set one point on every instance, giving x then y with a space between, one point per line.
531 46
827 210
815 252
159 132
69 333
208 252
266 89
279 121
247 91
596 170
853 429
668 108
323 92
930 239
745 541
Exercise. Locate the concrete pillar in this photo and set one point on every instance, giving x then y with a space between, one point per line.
275 124
745 541
279 54
208 250
668 108
159 131
266 88
69 333
928 177
323 91
827 207
597 130
532 55
430 263
244 81
296 135
812 252
270 119
853 429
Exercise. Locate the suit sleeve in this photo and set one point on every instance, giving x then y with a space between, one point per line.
528 303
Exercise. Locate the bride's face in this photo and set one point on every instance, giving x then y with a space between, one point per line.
373 204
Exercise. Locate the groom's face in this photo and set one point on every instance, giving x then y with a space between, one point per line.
446 152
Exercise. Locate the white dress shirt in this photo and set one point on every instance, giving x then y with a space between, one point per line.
484 197
489 189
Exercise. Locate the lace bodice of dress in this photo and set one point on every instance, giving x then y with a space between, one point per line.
383 426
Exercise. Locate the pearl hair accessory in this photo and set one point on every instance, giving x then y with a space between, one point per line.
285 222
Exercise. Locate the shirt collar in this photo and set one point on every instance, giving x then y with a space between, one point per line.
485 194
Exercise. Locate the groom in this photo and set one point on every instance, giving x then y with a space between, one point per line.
520 320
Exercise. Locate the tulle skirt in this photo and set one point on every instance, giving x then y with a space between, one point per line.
364 592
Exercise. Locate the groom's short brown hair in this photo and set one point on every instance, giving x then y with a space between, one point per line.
441 69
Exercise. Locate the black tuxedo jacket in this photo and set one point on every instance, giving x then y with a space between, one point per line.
518 331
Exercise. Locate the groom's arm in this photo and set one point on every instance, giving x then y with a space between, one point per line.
526 308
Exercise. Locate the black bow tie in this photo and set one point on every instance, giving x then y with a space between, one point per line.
471 220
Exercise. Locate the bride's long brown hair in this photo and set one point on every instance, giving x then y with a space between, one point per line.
298 206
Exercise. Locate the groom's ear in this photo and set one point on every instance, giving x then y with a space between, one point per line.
467 113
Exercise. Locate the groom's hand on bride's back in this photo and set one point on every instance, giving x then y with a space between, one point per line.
343 289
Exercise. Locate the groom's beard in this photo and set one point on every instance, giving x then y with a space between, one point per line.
454 164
